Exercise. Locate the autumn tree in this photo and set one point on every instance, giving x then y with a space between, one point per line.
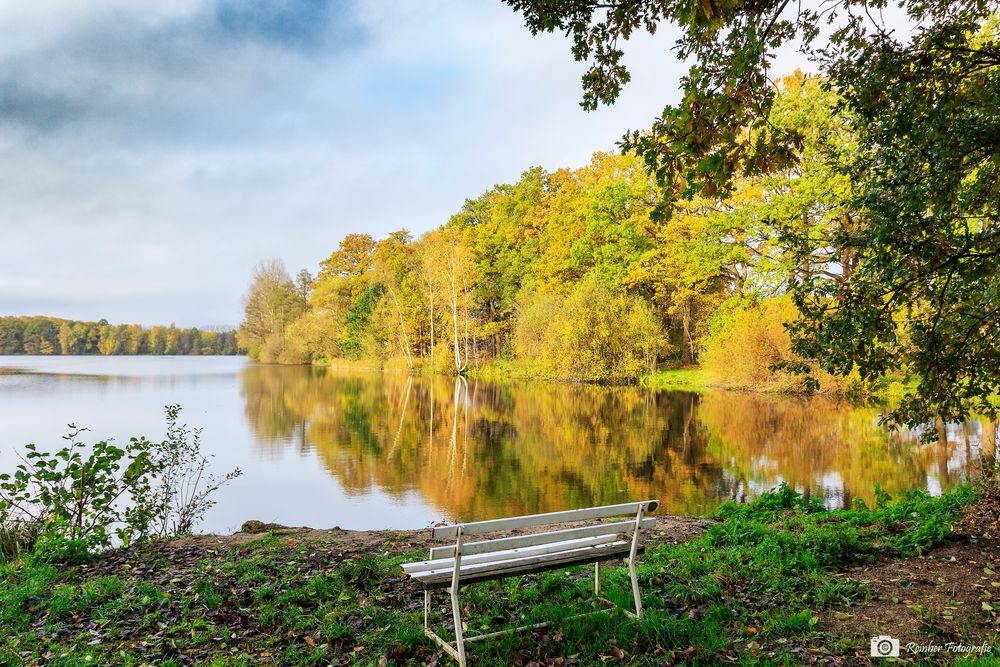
502 227
11 336
597 332
270 305
41 336
351 260
449 263
394 267
920 289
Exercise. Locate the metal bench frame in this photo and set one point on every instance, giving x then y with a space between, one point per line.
524 554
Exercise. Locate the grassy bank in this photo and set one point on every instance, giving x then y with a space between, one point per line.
695 378
891 390
686 379
780 581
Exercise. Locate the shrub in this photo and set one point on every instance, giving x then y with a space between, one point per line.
595 333
83 497
184 486
745 341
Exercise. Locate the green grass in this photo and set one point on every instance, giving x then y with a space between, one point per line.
761 574
499 370
688 379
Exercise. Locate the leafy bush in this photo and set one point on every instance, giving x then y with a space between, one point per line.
83 497
184 486
786 523
595 333
746 341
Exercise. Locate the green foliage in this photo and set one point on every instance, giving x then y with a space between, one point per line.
39 335
355 340
594 333
83 494
82 497
894 269
923 295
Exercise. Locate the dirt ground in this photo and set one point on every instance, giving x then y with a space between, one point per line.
668 529
950 595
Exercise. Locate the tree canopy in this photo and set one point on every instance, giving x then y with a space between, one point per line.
563 273
912 284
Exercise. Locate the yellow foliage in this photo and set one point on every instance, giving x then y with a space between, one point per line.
595 333
746 342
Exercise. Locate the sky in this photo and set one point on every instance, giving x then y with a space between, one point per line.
152 153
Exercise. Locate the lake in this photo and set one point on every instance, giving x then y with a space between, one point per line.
324 447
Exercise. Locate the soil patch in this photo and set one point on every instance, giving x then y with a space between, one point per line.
950 595
668 530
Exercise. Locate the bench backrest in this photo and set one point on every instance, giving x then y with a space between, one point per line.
576 537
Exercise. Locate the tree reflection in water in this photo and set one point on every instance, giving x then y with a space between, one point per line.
475 449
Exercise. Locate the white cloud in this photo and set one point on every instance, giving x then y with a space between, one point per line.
149 194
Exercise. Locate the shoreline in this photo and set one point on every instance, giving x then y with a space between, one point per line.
669 529
690 379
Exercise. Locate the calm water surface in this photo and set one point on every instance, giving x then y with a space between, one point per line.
322 447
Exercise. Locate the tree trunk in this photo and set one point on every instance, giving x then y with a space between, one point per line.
430 293
465 312
460 366
404 341
988 446
686 323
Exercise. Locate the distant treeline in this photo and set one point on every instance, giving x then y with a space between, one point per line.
50 335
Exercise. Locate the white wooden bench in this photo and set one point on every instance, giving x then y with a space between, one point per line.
464 562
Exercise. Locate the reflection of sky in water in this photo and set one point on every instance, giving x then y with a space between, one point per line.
322 447
124 396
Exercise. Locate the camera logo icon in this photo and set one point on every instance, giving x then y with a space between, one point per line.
885 646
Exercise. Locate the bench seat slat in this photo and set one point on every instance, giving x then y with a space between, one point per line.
528 520
565 545
530 540
537 563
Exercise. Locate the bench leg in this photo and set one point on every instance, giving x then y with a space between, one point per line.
635 587
456 613
597 579
427 609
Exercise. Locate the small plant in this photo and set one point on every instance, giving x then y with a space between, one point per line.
184 487
82 498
